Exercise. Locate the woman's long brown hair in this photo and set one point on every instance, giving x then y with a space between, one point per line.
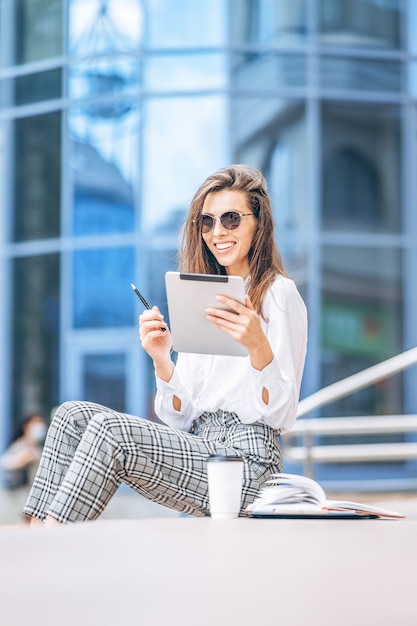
264 259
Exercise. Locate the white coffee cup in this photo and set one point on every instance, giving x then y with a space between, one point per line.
225 479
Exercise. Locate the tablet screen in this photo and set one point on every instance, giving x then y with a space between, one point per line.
188 297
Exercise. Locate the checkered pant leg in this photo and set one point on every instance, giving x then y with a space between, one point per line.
163 464
64 434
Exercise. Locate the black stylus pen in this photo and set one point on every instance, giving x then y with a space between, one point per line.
142 299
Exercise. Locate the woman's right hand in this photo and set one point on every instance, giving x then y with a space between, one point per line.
155 337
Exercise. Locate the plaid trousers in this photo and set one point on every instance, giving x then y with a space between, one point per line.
91 449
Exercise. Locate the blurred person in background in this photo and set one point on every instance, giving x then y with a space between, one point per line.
18 464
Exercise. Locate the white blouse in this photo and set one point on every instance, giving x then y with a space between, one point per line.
209 382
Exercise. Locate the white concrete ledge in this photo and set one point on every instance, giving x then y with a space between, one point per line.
189 571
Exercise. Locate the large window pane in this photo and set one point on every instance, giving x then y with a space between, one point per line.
267 71
104 377
39 31
268 21
185 23
271 134
361 164
182 72
102 296
360 74
361 22
184 141
35 318
37 179
36 87
361 323
104 161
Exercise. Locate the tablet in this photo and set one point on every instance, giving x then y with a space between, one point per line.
188 297
325 515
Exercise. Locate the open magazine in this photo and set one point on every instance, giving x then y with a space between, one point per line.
291 495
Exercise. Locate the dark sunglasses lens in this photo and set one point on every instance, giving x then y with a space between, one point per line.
206 223
230 220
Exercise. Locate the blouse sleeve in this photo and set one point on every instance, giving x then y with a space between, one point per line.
286 329
165 392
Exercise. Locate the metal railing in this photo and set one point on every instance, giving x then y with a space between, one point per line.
310 429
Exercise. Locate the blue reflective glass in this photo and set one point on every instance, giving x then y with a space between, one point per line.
36 198
97 27
34 333
104 378
267 71
37 86
38 29
275 139
360 74
361 165
184 23
268 21
183 139
103 158
412 73
361 22
104 77
412 26
102 296
362 304
185 72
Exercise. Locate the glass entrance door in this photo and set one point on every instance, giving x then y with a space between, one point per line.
102 368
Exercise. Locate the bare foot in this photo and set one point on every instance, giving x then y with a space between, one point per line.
35 521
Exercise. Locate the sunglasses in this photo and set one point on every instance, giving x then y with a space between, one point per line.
229 220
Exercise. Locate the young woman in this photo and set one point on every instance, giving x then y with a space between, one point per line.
209 404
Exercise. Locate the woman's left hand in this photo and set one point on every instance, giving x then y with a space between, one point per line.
243 324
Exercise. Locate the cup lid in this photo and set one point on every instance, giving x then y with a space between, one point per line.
223 457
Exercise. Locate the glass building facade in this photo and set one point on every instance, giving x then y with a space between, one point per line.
112 112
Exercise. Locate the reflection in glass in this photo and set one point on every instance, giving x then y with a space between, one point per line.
104 377
103 201
104 26
103 78
268 71
179 72
360 74
102 297
184 139
104 161
37 182
268 21
361 323
107 32
35 319
361 22
185 23
271 134
39 30
36 87
361 168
